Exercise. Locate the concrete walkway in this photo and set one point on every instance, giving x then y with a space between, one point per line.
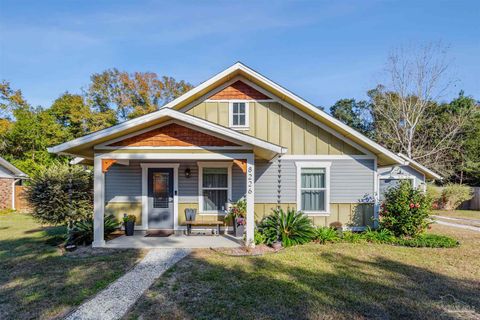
114 301
138 240
456 225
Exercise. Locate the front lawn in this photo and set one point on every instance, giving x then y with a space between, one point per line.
38 281
333 281
466 214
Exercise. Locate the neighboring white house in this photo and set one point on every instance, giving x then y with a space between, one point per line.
9 176
413 171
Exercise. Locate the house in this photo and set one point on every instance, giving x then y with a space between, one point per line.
236 135
412 171
9 177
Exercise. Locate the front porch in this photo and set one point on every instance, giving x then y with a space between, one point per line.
131 177
140 241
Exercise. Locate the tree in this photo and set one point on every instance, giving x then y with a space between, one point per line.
406 112
61 194
357 115
29 131
132 95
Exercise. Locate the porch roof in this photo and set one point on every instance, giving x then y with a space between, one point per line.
85 146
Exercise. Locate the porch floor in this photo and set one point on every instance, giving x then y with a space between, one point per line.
139 241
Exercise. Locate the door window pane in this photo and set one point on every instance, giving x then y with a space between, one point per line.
160 181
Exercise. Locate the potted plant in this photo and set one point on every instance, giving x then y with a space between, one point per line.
129 224
237 213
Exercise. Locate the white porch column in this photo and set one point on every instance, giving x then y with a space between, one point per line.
250 175
98 203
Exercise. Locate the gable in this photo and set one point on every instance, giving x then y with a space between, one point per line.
172 135
273 122
238 91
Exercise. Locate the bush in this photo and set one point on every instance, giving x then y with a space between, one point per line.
405 210
434 194
352 237
258 237
82 231
61 195
454 194
325 234
378 236
428 240
291 228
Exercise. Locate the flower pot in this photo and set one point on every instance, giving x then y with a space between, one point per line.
238 227
129 228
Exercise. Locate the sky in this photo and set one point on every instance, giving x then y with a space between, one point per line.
321 50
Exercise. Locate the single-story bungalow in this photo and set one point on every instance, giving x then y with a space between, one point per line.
236 135
9 177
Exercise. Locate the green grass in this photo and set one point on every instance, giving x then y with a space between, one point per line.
332 281
38 281
467 214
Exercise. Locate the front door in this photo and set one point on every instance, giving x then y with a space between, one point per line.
160 198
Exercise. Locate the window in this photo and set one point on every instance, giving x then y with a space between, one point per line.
239 114
214 186
313 195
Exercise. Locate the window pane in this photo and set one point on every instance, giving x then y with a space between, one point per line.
241 121
214 200
242 108
235 120
235 108
313 200
215 178
313 178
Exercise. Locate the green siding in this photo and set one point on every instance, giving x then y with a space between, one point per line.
277 124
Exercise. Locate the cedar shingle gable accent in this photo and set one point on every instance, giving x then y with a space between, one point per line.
173 135
239 91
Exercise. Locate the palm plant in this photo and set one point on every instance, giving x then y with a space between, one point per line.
290 227
82 231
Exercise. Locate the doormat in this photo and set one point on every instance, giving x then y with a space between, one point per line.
158 233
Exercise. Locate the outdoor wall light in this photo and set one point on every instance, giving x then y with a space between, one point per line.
188 173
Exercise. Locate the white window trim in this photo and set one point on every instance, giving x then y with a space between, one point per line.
314 164
202 165
230 115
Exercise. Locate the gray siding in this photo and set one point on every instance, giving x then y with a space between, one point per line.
351 181
124 183
239 183
402 170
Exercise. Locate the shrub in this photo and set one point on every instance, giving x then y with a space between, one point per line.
259 237
61 195
428 240
290 227
325 234
434 194
454 194
82 231
405 210
378 236
352 237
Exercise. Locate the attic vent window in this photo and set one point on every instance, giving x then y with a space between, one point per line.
239 115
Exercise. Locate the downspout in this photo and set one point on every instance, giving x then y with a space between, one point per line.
13 192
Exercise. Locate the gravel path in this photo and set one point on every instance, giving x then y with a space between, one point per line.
114 301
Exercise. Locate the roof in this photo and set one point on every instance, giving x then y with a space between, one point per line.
267 149
257 81
17 173
429 174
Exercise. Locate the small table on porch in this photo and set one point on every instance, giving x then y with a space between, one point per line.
203 223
